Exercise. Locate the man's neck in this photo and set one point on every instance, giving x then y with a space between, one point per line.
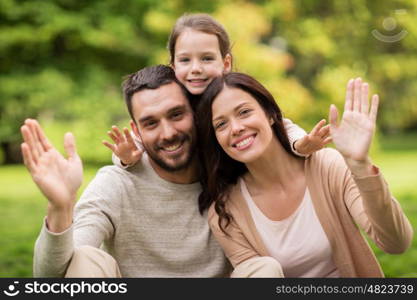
187 175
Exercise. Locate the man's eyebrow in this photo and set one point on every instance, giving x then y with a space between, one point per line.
178 107
235 109
173 109
144 119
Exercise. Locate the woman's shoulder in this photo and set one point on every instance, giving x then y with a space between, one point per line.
327 162
326 157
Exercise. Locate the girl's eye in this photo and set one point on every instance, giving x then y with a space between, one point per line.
208 58
184 59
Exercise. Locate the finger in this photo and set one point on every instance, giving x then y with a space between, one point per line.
364 99
117 132
324 131
333 115
374 108
327 140
318 127
35 139
357 94
46 145
29 140
349 94
110 146
113 137
69 146
128 136
27 157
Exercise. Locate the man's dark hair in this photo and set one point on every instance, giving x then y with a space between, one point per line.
147 78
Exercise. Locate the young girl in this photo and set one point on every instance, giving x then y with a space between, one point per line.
301 212
200 51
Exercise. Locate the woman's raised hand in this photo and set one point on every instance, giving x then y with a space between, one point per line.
353 135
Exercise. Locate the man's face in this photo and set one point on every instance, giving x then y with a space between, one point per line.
165 125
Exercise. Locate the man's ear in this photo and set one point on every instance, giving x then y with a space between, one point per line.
134 128
227 62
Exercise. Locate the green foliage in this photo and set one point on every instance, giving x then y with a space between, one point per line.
66 59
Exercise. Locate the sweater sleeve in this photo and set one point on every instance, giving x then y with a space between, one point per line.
52 253
235 246
94 217
375 210
294 133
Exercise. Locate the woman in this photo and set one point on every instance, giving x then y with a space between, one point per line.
267 202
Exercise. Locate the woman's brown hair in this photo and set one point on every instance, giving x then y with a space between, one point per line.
219 171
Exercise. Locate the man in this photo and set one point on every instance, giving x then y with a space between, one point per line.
146 218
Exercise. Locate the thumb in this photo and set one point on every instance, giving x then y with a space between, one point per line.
333 115
69 145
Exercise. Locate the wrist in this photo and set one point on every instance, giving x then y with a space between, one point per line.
126 164
59 218
361 168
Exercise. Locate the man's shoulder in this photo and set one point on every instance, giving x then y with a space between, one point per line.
111 170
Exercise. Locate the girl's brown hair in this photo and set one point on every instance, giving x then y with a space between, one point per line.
200 22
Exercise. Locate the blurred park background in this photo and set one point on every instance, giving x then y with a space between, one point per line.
62 62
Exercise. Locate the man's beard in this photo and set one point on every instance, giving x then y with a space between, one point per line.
159 160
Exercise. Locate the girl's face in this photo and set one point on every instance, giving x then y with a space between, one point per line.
198 60
242 128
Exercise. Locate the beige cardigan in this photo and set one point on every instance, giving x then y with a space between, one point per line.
341 201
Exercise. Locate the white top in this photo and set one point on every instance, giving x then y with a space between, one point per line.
297 242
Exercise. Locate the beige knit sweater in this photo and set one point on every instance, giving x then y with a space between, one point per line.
341 202
152 228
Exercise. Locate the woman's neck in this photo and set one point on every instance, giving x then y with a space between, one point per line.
275 167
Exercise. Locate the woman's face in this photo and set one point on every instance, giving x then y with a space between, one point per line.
242 128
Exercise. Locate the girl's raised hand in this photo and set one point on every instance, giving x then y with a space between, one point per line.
315 140
124 146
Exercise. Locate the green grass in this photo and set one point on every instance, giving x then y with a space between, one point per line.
23 208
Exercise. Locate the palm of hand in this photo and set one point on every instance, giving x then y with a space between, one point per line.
127 151
353 136
57 177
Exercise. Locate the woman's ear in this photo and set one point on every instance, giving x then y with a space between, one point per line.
271 121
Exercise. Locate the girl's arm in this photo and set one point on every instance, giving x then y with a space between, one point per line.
304 144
